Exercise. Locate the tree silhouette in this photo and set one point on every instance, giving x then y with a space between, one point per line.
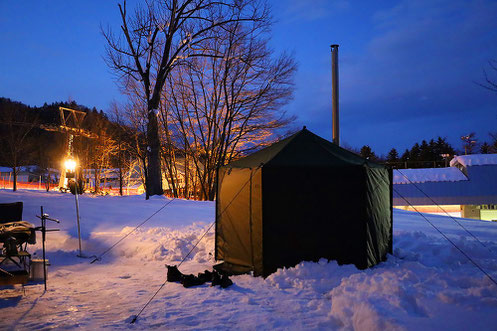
156 38
469 143
393 156
485 148
367 153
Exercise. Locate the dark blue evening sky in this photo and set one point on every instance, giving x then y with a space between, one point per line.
407 68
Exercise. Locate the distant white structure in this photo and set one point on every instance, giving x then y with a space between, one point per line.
468 188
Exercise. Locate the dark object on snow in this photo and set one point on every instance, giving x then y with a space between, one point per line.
15 235
225 281
176 276
72 186
230 269
173 274
216 279
191 280
302 199
12 226
205 276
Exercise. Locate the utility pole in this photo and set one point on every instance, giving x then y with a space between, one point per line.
334 93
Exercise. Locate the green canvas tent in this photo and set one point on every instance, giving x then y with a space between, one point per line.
302 199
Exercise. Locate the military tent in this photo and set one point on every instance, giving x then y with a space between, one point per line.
302 199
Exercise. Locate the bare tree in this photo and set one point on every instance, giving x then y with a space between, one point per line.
157 37
224 106
490 83
493 143
48 151
16 122
124 137
98 152
135 115
469 143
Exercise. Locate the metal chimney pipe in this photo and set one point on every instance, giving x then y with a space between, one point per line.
334 93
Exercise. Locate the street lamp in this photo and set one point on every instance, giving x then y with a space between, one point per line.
445 156
70 165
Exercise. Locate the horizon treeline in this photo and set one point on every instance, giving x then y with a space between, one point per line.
436 152
33 136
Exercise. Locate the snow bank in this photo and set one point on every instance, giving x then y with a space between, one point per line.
421 286
426 284
474 160
161 244
427 175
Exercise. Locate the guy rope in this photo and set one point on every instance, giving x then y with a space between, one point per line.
448 239
200 239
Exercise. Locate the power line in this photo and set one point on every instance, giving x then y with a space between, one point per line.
471 234
164 283
447 238
198 241
241 189
98 258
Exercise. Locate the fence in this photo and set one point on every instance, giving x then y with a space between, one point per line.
7 182
126 190
417 164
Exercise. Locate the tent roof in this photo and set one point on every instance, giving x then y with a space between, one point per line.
303 148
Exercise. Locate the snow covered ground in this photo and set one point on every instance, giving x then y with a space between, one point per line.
426 284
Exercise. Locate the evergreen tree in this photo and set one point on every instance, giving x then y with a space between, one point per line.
367 153
493 144
425 153
415 152
393 156
434 154
443 147
485 148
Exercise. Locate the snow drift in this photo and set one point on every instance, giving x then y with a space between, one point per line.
426 284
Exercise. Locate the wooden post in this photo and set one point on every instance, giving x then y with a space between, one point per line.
334 93
76 188
43 236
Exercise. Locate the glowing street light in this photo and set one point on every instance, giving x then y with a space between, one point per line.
70 165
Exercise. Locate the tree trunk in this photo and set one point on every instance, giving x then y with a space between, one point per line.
97 180
154 177
145 174
186 189
120 160
14 187
48 181
105 173
120 180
